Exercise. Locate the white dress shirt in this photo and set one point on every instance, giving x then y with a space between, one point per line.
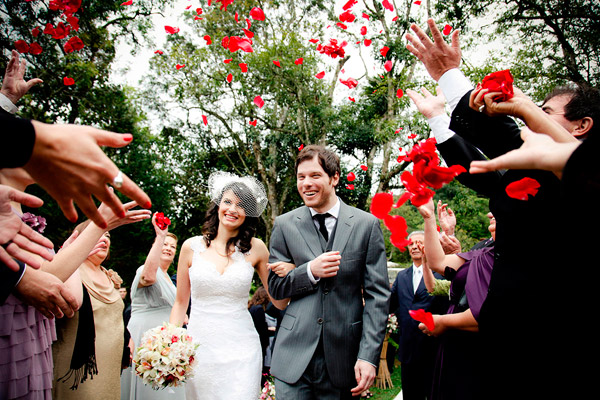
417 276
330 222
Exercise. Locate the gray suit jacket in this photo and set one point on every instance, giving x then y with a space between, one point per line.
333 307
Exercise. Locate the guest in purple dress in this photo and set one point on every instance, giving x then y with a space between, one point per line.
458 367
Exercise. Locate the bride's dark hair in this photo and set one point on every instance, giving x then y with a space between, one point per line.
246 231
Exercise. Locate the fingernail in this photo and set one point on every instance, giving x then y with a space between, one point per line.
148 204
128 137
122 214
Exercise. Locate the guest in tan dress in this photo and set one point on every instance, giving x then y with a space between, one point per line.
88 352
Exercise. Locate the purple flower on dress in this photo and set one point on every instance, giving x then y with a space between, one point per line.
36 223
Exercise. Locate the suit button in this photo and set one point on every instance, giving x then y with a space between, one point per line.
326 291
320 321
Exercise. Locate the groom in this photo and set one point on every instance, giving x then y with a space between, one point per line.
328 344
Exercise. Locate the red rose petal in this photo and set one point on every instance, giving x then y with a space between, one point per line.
352 99
386 4
49 29
320 75
395 19
259 101
204 120
227 61
388 65
35 48
363 30
447 29
224 4
343 26
350 82
399 93
384 50
188 7
364 167
35 32
248 33
499 81
257 14
350 186
74 22
418 2
367 42
244 67
277 63
349 4
253 123
127 3
365 15
314 40
351 176
171 29
381 204
67 81
229 78
521 189
179 66
347 16
240 43
396 224
299 61
199 11
424 317
208 39
301 147
158 52
236 17
163 222
21 46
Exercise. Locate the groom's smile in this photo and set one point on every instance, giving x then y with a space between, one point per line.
316 188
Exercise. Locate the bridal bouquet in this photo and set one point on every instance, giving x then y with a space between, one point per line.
165 356
268 390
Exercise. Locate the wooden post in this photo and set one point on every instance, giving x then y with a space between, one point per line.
383 379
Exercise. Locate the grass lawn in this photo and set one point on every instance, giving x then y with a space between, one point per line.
391 393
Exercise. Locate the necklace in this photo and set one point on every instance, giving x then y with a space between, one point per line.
222 255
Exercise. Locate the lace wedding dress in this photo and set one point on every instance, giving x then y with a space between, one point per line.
229 358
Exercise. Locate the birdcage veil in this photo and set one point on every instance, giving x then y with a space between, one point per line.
249 190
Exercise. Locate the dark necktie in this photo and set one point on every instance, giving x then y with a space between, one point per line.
322 227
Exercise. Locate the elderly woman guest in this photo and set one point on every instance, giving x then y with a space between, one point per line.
89 349
152 297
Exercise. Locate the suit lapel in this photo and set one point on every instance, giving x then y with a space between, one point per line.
308 231
408 282
345 223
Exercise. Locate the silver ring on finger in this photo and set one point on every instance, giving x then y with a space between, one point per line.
481 108
118 180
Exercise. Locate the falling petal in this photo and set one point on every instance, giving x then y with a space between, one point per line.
381 204
67 81
366 16
171 30
364 167
259 101
179 66
349 4
277 63
350 186
522 189
299 61
158 52
301 147
35 48
314 40
352 99
208 39
386 4
257 14
447 29
229 78
253 123
244 67
22 46
127 3
351 176
227 61
384 50
205 120
363 30
367 42
320 75
347 16
399 93
388 65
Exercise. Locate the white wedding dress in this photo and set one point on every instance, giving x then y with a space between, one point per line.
229 358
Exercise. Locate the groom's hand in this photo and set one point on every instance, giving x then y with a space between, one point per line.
365 375
326 265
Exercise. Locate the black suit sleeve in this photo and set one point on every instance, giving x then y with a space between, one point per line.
8 280
18 135
456 150
493 135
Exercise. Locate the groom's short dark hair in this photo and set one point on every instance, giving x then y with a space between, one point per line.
330 162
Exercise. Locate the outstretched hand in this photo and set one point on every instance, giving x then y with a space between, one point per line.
14 85
483 100
437 55
427 104
68 163
446 217
538 151
427 210
16 236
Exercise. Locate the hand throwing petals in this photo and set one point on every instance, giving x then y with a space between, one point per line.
424 317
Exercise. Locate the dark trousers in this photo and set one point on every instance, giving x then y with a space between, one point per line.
314 384
416 379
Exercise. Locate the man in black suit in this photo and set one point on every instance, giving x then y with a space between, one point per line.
517 310
416 351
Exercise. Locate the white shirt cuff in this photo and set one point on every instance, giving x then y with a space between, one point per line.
360 359
311 278
7 105
454 84
439 127
22 274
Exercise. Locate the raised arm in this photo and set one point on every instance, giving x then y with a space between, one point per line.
434 252
14 85
182 299
152 263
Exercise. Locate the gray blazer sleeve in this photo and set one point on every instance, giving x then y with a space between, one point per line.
296 282
376 292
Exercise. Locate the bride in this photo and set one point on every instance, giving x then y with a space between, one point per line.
217 269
